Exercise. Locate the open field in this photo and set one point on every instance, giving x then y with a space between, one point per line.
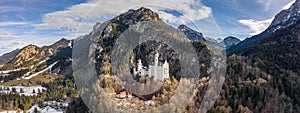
37 80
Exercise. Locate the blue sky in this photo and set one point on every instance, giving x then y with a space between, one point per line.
42 22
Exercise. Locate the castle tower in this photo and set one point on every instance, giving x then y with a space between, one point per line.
166 69
156 58
139 65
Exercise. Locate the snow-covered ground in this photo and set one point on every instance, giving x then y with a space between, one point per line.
35 108
57 104
46 109
70 44
50 107
12 111
27 76
27 91
4 74
42 61
8 71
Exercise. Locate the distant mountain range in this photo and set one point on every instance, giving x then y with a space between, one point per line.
31 54
8 56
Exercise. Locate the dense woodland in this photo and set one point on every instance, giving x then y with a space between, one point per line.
275 59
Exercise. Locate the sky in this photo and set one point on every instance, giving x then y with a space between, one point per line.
42 22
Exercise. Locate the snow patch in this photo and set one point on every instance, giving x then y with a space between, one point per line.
22 90
8 71
70 44
40 72
12 111
46 109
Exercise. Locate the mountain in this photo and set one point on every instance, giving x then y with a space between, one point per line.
131 17
8 56
230 41
286 17
108 32
28 53
279 46
113 28
263 76
59 44
263 70
282 20
190 33
31 54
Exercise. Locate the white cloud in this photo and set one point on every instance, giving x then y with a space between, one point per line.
80 19
256 26
4 33
12 23
10 42
288 5
94 11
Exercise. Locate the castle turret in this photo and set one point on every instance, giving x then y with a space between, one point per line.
166 69
156 59
139 65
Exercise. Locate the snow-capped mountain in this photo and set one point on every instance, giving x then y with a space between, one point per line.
282 20
286 17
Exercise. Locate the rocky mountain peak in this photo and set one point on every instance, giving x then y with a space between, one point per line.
183 27
60 43
26 54
133 16
281 21
29 48
190 33
286 17
231 38
96 26
230 41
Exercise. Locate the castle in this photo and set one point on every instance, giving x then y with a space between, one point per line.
157 70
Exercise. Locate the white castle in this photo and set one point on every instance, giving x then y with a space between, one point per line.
158 70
